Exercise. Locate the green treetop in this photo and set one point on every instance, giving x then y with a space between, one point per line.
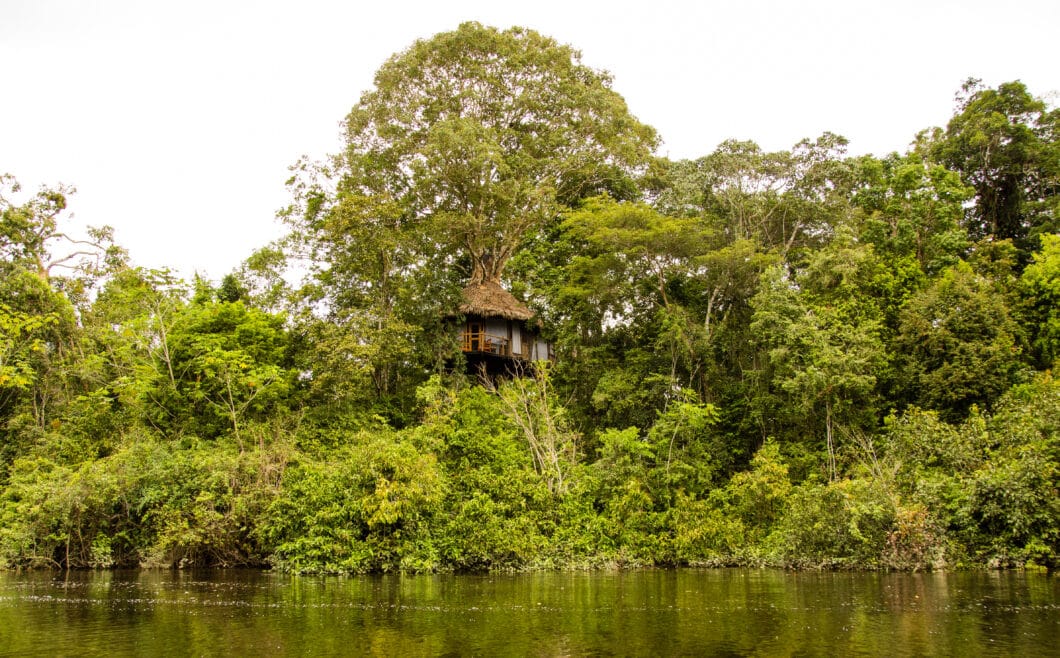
483 135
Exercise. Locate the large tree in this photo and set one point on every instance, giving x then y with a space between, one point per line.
470 144
1006 144
477 137
45 278
819 333
957 343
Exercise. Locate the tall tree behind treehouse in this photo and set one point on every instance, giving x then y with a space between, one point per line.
469 143
475 138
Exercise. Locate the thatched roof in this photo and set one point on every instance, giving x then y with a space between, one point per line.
491 300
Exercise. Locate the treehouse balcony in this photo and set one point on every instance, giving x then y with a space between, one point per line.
481 342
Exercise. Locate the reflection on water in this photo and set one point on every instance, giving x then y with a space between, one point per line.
687 612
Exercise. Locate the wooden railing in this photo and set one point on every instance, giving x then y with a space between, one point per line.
480 341
486 343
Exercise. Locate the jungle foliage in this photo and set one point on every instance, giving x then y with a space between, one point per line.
797 357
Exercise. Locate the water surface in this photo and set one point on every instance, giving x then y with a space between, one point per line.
648 613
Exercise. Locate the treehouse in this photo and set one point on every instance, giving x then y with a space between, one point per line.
500 335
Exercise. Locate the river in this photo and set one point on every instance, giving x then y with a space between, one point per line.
725 612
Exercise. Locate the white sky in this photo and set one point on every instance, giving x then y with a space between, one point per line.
176 121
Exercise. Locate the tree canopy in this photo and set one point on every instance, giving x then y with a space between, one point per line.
1004 142
794 357
479 136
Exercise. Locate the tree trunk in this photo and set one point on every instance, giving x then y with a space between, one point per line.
828 436
487 266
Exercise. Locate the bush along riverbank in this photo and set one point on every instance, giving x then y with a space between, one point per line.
461 491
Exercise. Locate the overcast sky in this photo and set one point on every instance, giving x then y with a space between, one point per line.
176 121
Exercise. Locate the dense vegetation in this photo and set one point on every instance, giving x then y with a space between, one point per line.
797 357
